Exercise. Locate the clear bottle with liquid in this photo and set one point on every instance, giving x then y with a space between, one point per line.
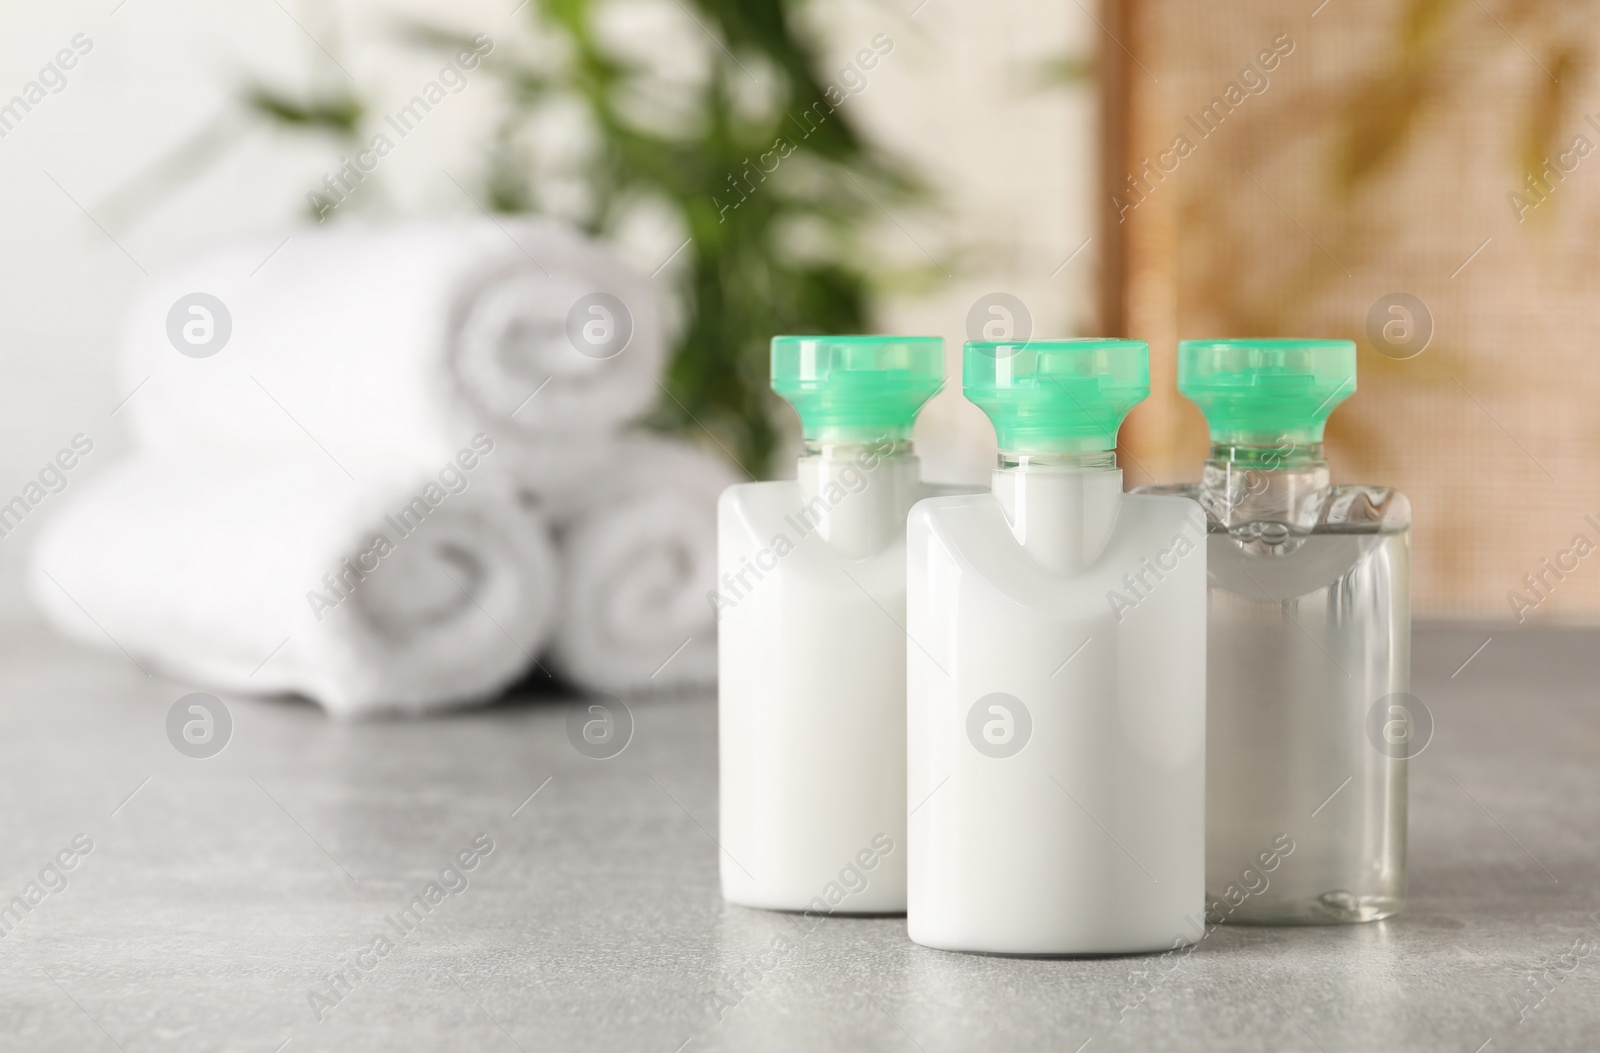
1308 716
811 641
1055 699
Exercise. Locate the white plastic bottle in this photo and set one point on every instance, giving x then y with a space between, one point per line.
1056 678
811 638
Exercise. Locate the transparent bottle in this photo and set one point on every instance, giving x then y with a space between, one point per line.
1308 653
811 641
1055 693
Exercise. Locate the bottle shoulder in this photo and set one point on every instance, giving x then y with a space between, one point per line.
977 525
1366 509
1164 505
1134 503
1345 509
934 505
966 545
744 493
765 492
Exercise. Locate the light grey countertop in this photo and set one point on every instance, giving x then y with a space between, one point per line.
219 893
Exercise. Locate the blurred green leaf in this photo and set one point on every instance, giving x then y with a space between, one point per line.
1544 133
340 114
1381 112
1069 69
1422 22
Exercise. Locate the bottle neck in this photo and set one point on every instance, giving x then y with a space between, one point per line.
1265 492
855 495
1061 507
1082 460
1269 453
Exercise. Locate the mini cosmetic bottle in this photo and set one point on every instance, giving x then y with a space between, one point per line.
811 639
1309 723
1056 677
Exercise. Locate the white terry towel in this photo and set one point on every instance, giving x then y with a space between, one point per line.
389 343
638 548
211 568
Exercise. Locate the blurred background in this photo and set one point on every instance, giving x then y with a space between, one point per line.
958 160
1409 174
1409 177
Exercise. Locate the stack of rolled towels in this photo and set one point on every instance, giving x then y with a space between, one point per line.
392 470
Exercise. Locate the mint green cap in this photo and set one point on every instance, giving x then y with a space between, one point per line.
857 388
1260 391
1057 395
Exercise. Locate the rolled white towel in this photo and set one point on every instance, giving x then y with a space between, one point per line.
638 549
388 343
406 592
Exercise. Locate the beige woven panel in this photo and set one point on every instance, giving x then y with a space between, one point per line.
1379 157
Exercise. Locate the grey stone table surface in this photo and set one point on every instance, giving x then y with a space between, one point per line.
209 900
